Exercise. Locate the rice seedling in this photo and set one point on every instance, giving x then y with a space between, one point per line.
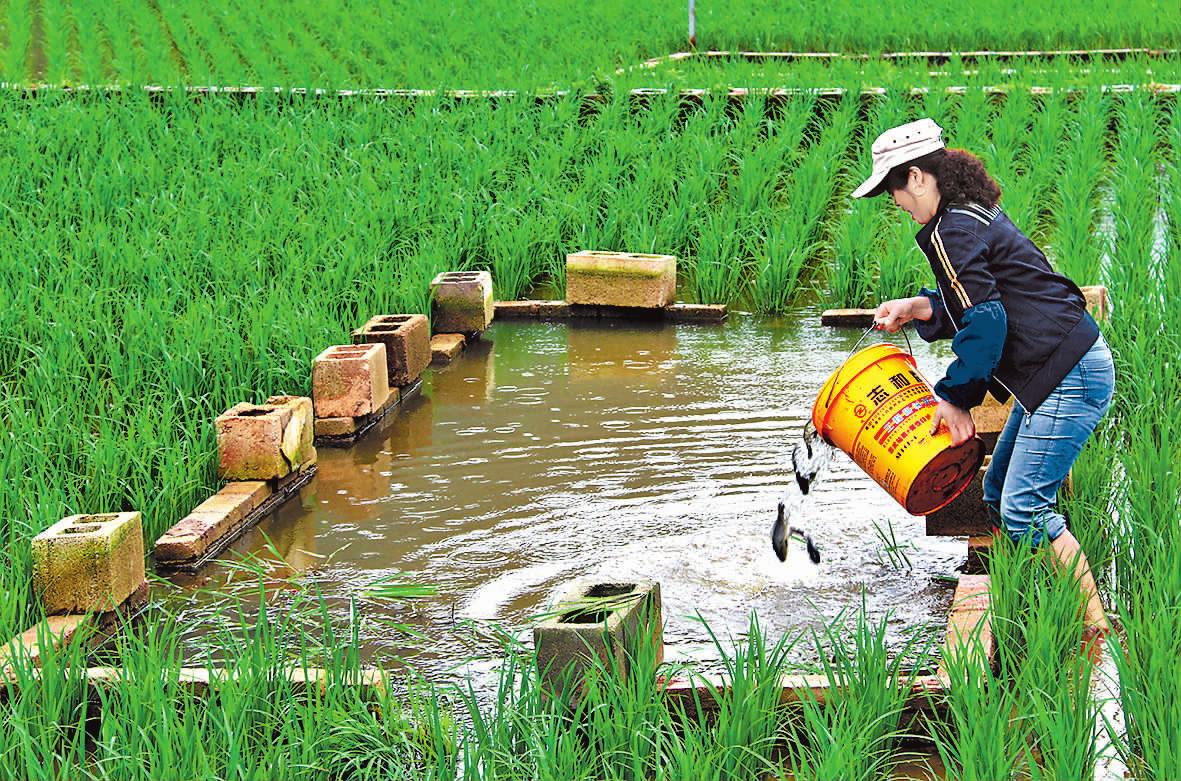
1075 245
855 732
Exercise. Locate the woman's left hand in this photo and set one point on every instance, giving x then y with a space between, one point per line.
959 422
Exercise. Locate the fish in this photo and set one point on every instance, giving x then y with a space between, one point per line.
782 534
807 463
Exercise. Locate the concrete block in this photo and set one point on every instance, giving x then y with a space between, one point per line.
300 432
250 441
596 278
88 563
990 418
1097 303
597 620
966 514
848 318
444 347
350 380
407 340
461 302
210 521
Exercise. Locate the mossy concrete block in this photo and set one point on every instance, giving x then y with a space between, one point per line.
990 418
966 514
444 347
1097 303
596 278
607 621
461 302
299 434
88 563
407 340
250 442
350 380
848 318
211 520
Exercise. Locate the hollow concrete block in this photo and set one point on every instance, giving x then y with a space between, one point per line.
300 432
250 442
990 418
461 302
350 380
407 340
606 621
88 563
1096 298
597 278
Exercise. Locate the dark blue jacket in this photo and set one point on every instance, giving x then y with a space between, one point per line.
1018 327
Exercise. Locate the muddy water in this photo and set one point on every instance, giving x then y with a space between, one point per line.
638 450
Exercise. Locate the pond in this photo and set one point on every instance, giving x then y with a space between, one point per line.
618 449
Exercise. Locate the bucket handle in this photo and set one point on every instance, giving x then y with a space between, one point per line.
857 344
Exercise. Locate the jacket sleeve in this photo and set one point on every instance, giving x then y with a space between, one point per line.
939 326
978 347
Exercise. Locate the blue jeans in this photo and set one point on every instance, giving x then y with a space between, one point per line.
1034 453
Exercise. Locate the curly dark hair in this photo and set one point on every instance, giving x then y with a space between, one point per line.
960 176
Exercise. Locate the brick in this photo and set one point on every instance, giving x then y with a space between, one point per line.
407 340
554 310
88 563
966 514
580 631
52 632
969 636
596 278
1097 303
335 427
350 380
696 313
254 491
444 347
990 418
299 435
979 549
517 309
848 318
209 521
461 302
250 442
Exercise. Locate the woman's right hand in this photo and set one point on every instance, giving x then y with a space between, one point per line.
892 315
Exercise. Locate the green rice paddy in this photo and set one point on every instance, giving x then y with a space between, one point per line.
166 257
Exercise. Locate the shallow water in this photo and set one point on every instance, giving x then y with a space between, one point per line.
620 450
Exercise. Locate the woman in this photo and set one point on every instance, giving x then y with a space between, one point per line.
1017 328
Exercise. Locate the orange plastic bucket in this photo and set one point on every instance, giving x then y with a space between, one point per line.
878 408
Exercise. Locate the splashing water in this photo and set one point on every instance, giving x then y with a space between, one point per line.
808 459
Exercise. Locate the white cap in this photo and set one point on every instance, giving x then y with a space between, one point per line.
900 145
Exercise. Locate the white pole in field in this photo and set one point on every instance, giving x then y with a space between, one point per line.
692 24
